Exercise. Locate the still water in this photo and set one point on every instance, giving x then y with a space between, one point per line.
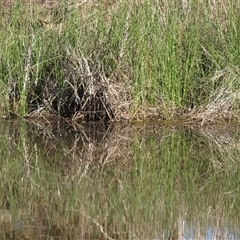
116 181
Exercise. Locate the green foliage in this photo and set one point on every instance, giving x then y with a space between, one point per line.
167 52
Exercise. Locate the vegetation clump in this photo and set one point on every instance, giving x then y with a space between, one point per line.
120 60
82 93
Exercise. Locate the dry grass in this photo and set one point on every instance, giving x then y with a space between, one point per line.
223 103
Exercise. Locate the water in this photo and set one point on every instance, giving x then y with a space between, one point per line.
116 181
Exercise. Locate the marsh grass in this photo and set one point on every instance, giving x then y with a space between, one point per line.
106 61
157 182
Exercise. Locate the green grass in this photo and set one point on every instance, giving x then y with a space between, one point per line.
166 56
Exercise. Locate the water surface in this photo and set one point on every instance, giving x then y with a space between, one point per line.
118 181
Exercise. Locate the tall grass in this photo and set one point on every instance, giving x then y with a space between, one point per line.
156 55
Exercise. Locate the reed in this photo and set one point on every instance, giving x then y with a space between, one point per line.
146 59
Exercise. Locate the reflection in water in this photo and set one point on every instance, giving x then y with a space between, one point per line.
191 231
63 181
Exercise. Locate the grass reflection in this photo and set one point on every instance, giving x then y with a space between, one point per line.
167 183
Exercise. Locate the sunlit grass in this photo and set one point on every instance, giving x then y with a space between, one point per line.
168 56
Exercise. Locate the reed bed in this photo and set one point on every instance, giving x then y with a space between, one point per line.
120 60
